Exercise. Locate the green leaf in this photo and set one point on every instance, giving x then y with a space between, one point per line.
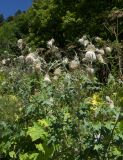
23 156
37 132
98 146
40 148
27 156
12 154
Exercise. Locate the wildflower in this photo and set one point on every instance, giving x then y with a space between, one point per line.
91 47
3 61
30 58
38 68
65 61
57 72
100 51
98 39
50 43
20 44
94 100
74 64
110 102
97 137
108 50
21 59
90 56
54 49
90 71
20 109
47 78
16 117
81 41
100 58
5 52
13 98
85 43
55 78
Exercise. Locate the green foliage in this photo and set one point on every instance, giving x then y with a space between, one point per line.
67 119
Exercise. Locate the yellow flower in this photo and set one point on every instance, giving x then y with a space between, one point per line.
16 117
13 98
43 122
95 100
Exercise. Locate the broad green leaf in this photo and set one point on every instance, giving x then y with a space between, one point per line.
12 154
40 148
37 132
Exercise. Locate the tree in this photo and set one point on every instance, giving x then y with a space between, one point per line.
18 12
1 19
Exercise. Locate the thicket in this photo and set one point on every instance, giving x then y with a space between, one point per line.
74 116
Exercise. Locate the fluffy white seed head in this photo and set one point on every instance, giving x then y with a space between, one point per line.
108 50
50 43
100 58
20 44
81 41
57 72
3 61
65 61
100 51
37 61
47 78
91 47
110 102
74 64
5 52
86 43
90 56
55 78
90 71
54 49
21 59
98 39
37 68
30 59
84 37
